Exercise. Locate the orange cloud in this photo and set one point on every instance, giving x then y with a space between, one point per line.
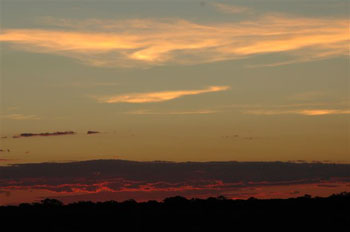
148 112
313 112
158 96
162 41
323 112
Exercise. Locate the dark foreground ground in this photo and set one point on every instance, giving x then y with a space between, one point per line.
179 214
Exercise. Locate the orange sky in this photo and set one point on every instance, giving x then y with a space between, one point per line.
175 81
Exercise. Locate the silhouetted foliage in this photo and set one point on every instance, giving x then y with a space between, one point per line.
51 203
181 214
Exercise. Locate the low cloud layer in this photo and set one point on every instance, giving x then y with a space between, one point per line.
149 42
130 176
158 96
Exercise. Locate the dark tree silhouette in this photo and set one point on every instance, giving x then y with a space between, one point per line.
181 214
51 202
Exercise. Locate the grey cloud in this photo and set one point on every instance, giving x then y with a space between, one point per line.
92 132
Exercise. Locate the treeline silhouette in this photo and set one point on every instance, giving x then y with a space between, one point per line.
181 214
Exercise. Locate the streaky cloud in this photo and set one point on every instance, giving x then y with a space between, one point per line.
20 117
158 96
57 133
307 112
231 9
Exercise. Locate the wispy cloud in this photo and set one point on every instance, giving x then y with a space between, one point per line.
140 42
283 106
148 112
158 96
57 133
323 112
231 9
310 95
304 108
303 55
20 117
308 112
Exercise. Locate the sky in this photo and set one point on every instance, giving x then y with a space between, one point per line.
173 80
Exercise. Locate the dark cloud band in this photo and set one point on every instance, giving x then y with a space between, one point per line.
122 175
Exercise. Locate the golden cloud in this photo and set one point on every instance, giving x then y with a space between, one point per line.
311 112
323 112
158 96
148 112
163 41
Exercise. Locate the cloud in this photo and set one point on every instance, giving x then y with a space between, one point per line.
237 137
20 117
93 84
328 185
6 193
308 112
158 96
13 108
323 112
108 179
148 112
149 42
311 95
307 108
57 133
92 132
160 176
231 9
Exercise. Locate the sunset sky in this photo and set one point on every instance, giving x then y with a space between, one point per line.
173 80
